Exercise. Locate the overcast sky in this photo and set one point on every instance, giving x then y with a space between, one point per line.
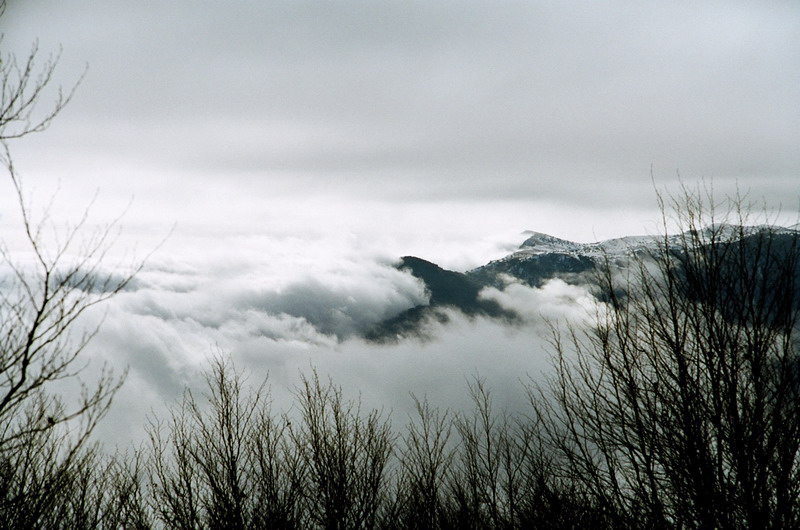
509 112
301 146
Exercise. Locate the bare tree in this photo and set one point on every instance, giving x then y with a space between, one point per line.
501 473
231 463
492 457
96 492
680 407
425 467
172 474
225 462
345 455
23 85
277 474
40 304
120 495
42 300
44 449
200 467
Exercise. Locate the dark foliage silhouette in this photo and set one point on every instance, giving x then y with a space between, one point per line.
679 408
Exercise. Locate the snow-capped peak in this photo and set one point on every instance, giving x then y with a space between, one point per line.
539 243
547 243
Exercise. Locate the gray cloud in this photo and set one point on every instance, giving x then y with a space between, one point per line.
165 331
342 310
321 302
426 100
172 355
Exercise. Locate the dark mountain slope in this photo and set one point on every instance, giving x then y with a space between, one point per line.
533 270
446 289
543 257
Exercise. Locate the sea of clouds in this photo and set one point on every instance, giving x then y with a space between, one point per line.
281 307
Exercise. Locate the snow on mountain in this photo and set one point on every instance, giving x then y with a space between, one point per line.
542 256
538 244
537 241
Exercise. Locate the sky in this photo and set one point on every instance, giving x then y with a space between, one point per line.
291 151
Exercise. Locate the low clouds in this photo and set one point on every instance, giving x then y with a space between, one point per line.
343 306
555 301
332 300
165 331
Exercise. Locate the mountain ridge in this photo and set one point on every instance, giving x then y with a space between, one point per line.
540 258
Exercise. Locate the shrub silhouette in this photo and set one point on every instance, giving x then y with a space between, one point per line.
679 407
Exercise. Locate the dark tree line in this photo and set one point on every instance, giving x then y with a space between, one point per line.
227 460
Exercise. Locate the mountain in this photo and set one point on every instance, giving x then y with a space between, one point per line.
542 257
445 289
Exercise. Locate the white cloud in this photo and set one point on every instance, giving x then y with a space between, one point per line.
166 330
554 301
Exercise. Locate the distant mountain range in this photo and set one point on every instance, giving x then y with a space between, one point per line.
541 257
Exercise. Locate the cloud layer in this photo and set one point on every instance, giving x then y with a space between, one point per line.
243 108
165 330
